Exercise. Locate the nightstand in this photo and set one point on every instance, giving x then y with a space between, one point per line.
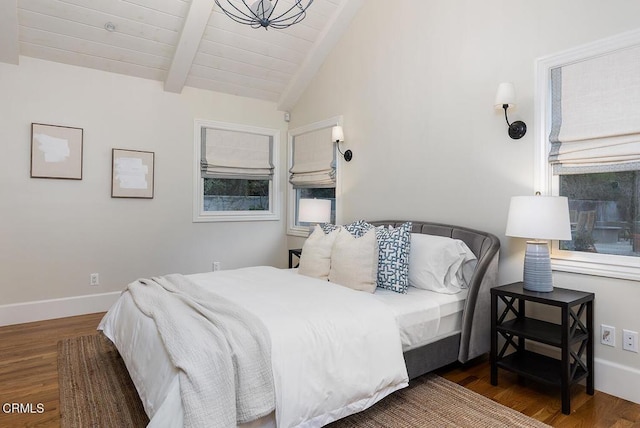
294 252
571 335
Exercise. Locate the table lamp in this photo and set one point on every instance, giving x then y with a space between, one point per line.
314 211
538 218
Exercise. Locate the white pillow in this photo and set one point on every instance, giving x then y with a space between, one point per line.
440 264
315 259
354 261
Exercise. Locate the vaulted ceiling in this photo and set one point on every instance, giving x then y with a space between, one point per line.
178 42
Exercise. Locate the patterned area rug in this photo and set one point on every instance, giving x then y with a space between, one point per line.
96 391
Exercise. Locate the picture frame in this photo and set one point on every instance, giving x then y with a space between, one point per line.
132 174
56 151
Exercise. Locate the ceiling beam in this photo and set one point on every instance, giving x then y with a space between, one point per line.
194 25
325 42
9 48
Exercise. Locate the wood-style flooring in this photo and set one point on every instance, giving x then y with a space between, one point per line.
29 375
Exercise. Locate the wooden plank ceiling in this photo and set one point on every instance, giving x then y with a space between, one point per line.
178 42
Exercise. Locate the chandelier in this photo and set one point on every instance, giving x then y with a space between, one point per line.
262 13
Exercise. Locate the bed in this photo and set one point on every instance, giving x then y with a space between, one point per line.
334 351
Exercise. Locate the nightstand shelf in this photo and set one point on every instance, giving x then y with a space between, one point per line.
540 331
572 335
537 367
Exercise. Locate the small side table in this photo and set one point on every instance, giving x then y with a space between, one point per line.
571 335
294 252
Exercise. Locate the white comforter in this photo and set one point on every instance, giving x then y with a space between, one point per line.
335 351
223 352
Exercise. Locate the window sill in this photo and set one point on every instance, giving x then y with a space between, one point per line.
302 232
234 216
607 266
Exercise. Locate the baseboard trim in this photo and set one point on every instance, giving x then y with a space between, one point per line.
617 379
18 313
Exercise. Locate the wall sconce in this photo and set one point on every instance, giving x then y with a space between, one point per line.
337 136
505 98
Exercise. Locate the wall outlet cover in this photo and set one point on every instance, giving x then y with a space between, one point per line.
607 335
630 340
94 279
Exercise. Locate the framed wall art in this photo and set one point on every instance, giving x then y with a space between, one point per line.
132 174
56 151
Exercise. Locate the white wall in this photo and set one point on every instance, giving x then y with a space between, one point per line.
416 84
54 233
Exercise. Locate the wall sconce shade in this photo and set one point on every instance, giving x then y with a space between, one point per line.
337 136
505 98
540 218
314 211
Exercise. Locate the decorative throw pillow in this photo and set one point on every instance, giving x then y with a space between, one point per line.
328 227
315 260
354 261
440 264
393 257
357 228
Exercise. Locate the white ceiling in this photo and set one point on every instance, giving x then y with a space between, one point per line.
178 42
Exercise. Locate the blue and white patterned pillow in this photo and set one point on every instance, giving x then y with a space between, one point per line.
358 228
393 257
328 227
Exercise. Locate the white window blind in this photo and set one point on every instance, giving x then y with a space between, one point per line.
236 155
313 160
595 123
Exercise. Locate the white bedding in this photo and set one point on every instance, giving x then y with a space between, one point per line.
316 383
424 316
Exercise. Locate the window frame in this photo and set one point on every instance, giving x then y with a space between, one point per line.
292 228
201 216
608 265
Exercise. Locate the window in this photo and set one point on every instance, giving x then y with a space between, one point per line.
234 174
312 168
589 150
603 209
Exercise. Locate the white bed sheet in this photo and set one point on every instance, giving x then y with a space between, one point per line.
424 316
157 381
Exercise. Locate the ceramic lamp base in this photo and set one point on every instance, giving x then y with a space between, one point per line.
537 267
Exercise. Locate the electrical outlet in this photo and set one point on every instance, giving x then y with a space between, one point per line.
94 279
607 335
630 340
215 266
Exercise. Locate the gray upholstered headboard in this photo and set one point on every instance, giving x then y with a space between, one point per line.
475 335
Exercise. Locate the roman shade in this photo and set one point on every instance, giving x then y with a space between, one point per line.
236 155
595 123
314 164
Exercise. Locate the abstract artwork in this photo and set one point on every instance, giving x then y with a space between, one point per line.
56 151
132 174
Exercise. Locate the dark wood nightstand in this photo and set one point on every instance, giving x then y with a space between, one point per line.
294 252
571 335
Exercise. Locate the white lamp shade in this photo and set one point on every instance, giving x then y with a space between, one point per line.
337 134
314 210
506 94
539 217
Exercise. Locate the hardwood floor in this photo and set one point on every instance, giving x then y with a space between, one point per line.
29 375
29 367
543 403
